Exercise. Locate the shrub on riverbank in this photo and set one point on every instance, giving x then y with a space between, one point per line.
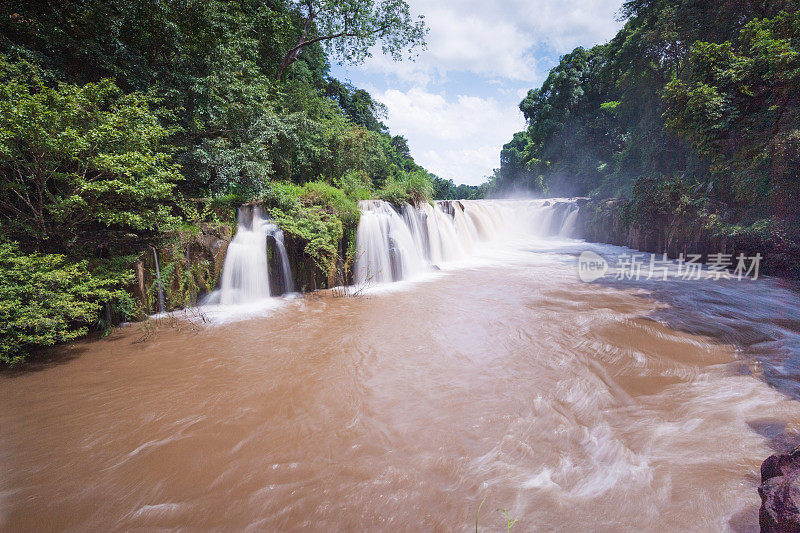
46 299
83 168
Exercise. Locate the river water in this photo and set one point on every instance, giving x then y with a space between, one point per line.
611 406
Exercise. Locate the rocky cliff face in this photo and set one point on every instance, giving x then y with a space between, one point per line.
780 493
190 263
616 221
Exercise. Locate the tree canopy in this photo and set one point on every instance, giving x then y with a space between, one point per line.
704 92
349 29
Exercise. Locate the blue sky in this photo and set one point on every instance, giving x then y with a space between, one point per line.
457 103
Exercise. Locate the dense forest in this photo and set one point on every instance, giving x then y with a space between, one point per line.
692 108
126 126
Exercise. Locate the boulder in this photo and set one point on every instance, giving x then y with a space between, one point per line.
780 493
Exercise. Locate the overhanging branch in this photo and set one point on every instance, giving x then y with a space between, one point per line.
293 54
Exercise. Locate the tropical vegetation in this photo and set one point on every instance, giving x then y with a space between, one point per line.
132 125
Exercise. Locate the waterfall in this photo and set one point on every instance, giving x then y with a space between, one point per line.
161 307
286 269
245 273
569 227
415 220
397 244
386 249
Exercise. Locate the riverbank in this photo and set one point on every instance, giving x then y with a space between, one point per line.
682 228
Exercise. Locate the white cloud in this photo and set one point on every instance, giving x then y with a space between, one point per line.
499 39
457 139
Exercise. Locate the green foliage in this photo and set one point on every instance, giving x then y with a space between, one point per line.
358 105
655 201
332 199
46 299
80 163
213 65
351 29
740 109
318 214
409 188
702 90
447 190
186 268
319 229
355 184
509 521
573 106
233 155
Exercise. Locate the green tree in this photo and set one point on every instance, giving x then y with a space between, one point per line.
80 165
358 104
740 108
349 29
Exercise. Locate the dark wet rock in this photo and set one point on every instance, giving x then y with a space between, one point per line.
214 247
780 493
617 221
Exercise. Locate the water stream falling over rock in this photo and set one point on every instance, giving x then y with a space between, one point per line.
161 307
245 274
286 269
395 245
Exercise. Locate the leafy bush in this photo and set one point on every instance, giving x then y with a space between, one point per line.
46 299
310 214
321 231
332 199
356 184
411 187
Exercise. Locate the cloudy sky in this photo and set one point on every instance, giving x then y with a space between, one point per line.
457 103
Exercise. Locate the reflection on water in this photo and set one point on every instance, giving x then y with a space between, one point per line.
611 406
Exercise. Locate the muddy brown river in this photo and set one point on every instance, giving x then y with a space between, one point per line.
606 406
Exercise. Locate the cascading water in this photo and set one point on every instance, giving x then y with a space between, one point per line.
161 307
245 274
396 245
286 269
442 238
386 248
568 228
